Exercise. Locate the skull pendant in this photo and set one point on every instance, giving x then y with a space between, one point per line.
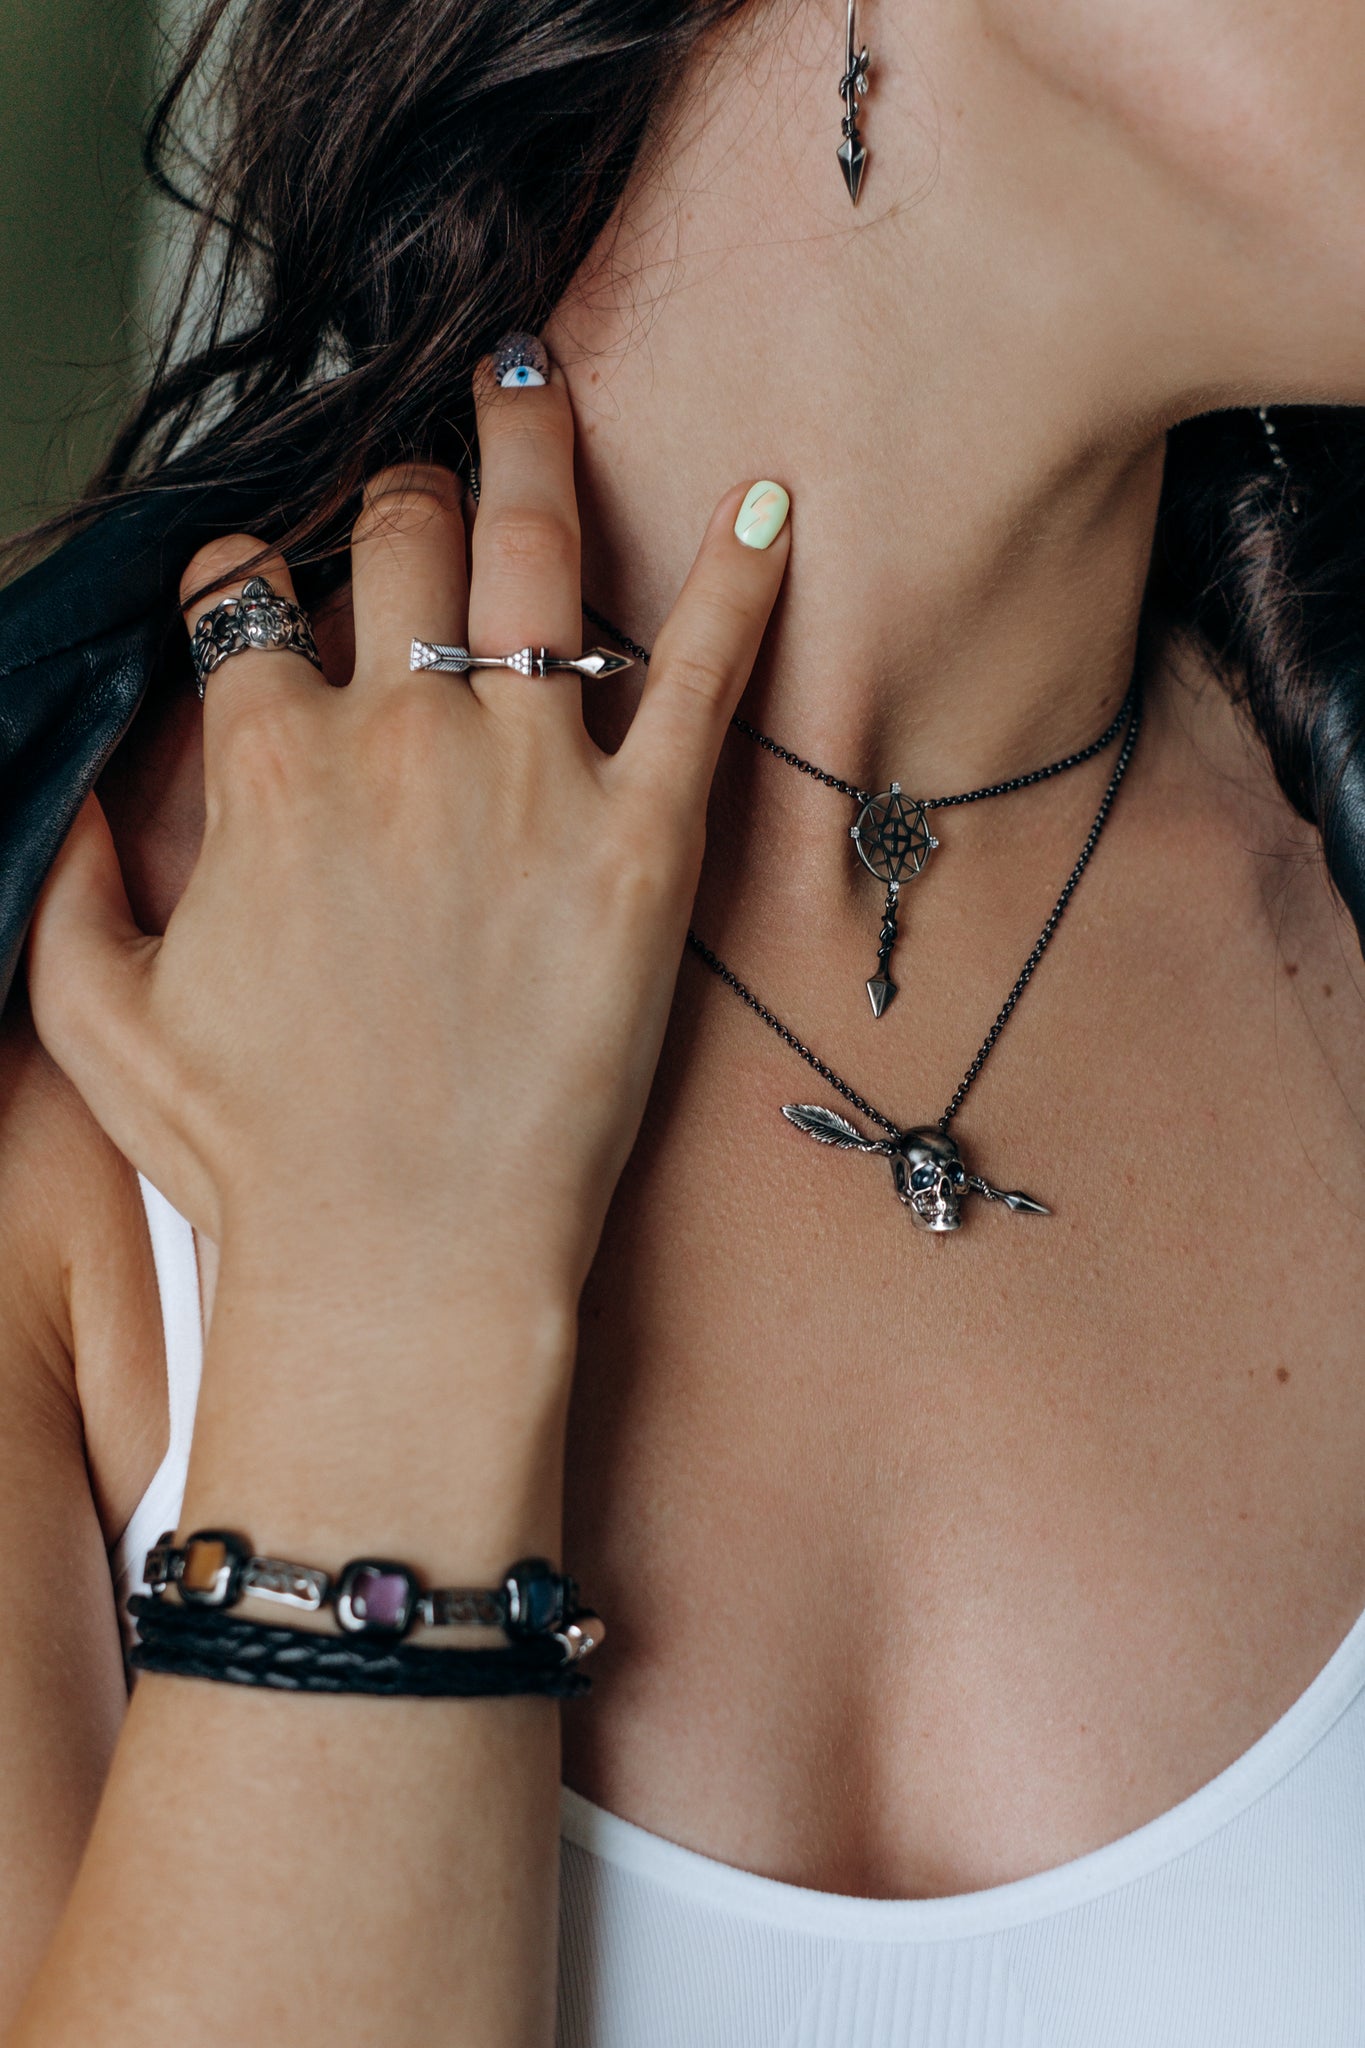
930 1177
926 1166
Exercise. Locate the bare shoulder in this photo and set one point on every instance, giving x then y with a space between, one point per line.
78 1295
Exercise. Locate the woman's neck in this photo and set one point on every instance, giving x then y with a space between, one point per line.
961 402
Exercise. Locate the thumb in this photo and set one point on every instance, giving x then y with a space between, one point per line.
88 961
706 647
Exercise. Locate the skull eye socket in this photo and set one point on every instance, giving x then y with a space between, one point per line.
923 1178
959 1177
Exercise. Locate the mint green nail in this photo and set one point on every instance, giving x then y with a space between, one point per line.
763 515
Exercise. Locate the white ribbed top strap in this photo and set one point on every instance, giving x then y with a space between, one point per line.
177 1280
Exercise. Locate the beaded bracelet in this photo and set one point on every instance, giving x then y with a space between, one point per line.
373 1596
190 1642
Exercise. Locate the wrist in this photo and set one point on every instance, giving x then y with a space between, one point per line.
458 1506
363 1400
341 1234
325 1247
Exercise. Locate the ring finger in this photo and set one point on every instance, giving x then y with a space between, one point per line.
246 678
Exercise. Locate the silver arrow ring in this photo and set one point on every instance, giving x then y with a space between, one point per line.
527 661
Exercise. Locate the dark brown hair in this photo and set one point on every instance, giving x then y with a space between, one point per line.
396 183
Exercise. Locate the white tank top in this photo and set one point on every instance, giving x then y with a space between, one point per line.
1236 1920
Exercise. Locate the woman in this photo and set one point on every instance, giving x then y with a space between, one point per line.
985 1663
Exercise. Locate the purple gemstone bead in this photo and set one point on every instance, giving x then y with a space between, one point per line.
375 1595
379 1598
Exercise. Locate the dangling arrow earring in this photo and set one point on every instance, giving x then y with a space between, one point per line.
852 155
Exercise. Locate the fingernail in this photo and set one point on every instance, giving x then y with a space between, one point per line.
763 515
519 360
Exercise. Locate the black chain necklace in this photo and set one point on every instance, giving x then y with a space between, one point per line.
926 1164
890 832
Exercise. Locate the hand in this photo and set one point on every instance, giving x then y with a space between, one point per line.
419 978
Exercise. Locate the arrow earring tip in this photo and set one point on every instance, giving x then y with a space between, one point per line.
852 158
851 153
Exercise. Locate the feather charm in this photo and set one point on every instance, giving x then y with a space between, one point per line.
829 1128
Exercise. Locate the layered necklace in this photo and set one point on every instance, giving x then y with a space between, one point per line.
891 837
890 830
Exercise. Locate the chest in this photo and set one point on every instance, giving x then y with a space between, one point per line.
935 1561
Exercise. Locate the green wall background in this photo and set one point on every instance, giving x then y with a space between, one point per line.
73 90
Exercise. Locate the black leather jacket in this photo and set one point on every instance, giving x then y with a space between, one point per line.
81 633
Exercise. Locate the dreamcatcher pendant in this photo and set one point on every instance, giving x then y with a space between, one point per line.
894 841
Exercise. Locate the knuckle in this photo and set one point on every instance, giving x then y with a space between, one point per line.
406 499
221 562
725 615
431 479
700 672
405 737
703 650
260 742
531 542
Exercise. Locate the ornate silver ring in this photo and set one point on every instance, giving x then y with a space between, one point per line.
260 621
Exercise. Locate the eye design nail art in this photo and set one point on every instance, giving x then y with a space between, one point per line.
520 360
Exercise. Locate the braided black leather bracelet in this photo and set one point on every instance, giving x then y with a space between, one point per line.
191 1643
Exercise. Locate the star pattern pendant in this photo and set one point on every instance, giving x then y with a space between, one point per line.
893 840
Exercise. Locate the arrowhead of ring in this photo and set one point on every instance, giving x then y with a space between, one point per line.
600 661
